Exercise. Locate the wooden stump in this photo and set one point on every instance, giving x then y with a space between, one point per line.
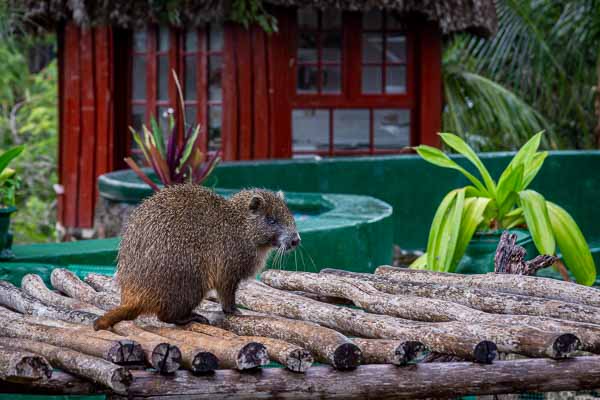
20 366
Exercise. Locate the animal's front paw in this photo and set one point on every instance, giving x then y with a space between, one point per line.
193 317
233 310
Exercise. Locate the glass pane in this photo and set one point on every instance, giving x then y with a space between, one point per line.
371 79
307 18
332 45
139 40
395 80
139 78
307 47
373 20
392 128
394 22
190 78
331 19
191 41
310 130
331 79
163 38
215 68
190 117
307 79
372 48
163 77
138 117
351 129
163 120
215 42
396 48
214 127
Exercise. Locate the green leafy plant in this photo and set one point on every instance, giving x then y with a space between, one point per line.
9 181
178 161
248 12
504 204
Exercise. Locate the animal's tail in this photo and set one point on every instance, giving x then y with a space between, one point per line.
112 317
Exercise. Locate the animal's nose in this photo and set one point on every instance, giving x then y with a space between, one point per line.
295 241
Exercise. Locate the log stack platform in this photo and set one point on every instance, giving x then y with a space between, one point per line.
394 334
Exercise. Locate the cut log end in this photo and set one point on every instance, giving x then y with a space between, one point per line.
410 352
204 362
299 360
346 356
120 380
485 352
30 368
252 355
126 352
166 358
565 346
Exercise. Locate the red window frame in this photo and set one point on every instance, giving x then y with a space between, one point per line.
351 96
176 61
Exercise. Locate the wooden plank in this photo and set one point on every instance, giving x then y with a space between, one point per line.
87 177
245 85
281 53
261 110
60 39
430 84
229 129
71 133
202 84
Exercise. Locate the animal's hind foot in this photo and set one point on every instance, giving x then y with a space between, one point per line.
102 323
193 317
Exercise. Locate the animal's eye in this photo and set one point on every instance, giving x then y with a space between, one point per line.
271 221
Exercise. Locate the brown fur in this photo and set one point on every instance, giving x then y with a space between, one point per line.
186 240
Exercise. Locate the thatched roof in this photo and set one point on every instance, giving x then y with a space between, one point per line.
477 16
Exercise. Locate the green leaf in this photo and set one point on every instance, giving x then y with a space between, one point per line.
573 247
533 167
157 135
472 217
509 182
527 152
538 221
444 232
419 263
9 155
437 157
463 148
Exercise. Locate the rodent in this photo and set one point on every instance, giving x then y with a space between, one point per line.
186 240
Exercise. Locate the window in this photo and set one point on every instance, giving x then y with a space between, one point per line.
197 56
348 99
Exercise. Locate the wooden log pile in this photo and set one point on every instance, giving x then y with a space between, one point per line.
370 325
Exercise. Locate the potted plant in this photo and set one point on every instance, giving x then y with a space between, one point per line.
488 206
178 161
9 183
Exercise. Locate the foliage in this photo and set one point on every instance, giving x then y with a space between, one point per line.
544 55
9 181
248 12
178 161
29 116
502 204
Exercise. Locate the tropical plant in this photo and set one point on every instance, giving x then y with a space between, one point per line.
503 204
178 161
540 70
9 181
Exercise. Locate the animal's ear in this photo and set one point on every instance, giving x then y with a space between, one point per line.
256 202
280 195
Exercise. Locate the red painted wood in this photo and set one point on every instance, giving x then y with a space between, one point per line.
202 84
151 74
282 57
229 128
245 75
87 176
60 38
70 135
430 84
352 55
261 110
103 62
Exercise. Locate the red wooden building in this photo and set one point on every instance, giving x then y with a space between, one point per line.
339 78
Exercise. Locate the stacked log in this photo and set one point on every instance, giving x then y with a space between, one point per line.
22 367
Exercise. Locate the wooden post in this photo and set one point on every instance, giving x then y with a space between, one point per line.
20 366
98 370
